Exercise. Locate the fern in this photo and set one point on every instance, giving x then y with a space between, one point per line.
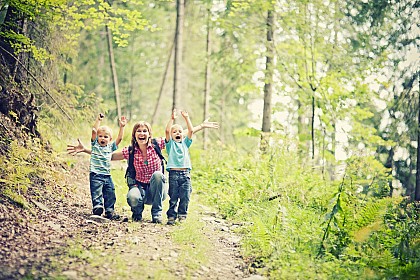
370 218
259 243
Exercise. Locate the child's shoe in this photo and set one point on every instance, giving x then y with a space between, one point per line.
171 221
98 211
112 216
157 220
182 218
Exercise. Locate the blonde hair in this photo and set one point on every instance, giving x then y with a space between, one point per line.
105 129
176 126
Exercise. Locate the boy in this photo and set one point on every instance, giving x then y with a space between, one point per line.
179 166
102 188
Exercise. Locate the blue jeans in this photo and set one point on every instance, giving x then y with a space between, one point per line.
179 190
102 191
153 194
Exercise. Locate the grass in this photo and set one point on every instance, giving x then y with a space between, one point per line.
189 235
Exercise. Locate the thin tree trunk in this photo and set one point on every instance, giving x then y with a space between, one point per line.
268 87
180 8
113 71
207 81
417 192
313 126
168 62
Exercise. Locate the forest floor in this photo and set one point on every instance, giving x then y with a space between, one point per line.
55 237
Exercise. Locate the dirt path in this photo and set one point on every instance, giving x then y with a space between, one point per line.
56 238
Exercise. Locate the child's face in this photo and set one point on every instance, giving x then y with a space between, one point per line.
142 135
176 133
104 138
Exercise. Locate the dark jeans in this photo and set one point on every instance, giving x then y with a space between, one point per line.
102 192
154 193
179 191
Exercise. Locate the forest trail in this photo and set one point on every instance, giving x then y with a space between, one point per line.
56 238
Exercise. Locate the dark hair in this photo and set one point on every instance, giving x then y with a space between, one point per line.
133 134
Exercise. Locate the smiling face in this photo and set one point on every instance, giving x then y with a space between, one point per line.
104 136
141 133
176 133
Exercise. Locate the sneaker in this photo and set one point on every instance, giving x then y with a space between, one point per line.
98 211
137 218
113 216
157 220
171 221
182 218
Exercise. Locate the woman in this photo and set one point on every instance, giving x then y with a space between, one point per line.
149 187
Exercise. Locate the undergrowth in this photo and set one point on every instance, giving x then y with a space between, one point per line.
297 225
27 168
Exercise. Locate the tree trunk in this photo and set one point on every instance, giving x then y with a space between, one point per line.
113 71
313 127
207 81
268 87
417 193
168 62
180 8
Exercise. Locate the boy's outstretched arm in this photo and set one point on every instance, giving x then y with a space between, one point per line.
96 125
189 124
204 124
79 148
123 122
169 125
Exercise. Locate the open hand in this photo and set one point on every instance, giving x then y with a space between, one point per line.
123 121
207 124
75 149
184 113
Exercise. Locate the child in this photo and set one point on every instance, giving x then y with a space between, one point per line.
179 166
102 188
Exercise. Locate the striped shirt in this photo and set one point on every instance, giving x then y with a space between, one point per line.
146 165
100 158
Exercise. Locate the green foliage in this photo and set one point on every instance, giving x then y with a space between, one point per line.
15 169
289 212
27 164
368 176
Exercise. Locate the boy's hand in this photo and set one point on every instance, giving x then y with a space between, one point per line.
101 117
75 149
123 121
184 114
207 124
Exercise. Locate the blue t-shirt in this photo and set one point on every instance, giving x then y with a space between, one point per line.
178 154
100 158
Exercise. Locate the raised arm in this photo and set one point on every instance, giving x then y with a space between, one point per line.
169 125
96 125
123 122
189 124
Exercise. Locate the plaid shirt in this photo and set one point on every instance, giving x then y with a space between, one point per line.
146 166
